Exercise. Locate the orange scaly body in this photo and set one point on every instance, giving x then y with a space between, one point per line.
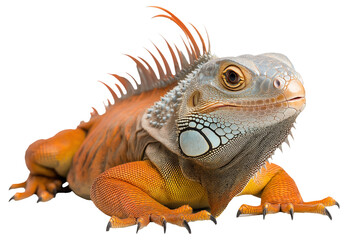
185 142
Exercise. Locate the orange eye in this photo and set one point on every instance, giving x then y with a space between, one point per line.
233 78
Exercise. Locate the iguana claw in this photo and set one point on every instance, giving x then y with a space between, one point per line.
108 226
264 212
291 212
138 227
187 226
327 213
238 213
337 204
213 219
164 224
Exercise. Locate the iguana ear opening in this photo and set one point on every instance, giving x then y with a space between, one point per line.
194 99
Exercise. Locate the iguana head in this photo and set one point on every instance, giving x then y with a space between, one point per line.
234 106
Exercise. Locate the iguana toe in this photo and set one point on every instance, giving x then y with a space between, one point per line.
180 217
290 208
44 187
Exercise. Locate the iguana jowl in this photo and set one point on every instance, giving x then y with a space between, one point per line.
189 140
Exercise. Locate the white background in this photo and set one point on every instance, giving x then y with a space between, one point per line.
53 52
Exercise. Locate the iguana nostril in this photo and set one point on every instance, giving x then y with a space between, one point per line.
278 83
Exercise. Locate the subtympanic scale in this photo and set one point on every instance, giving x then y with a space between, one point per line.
201 133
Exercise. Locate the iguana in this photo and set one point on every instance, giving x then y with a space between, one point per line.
178 147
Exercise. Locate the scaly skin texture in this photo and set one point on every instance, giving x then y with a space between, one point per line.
181 147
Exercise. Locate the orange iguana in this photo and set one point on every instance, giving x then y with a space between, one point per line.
182 142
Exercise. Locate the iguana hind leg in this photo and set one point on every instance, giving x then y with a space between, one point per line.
137 194
279 193
48 162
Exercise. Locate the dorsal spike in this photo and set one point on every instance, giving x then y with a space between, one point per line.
120 89
130 91
194 55
175 60
158 65
201 38
208 40
183 60
142 71
114 96
165 16
166 65
136 91
108 105
190 55
95 112
151 73
126 84
124 81
181 25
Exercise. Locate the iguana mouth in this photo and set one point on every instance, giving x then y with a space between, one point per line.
295 99
296 102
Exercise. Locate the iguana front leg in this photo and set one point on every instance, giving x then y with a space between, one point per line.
279 193
136 193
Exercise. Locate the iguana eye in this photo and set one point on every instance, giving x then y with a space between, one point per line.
233 78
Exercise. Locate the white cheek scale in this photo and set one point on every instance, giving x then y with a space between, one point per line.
202 135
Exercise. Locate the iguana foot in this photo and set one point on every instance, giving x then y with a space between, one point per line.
180 216
290 208
279 193
44 187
